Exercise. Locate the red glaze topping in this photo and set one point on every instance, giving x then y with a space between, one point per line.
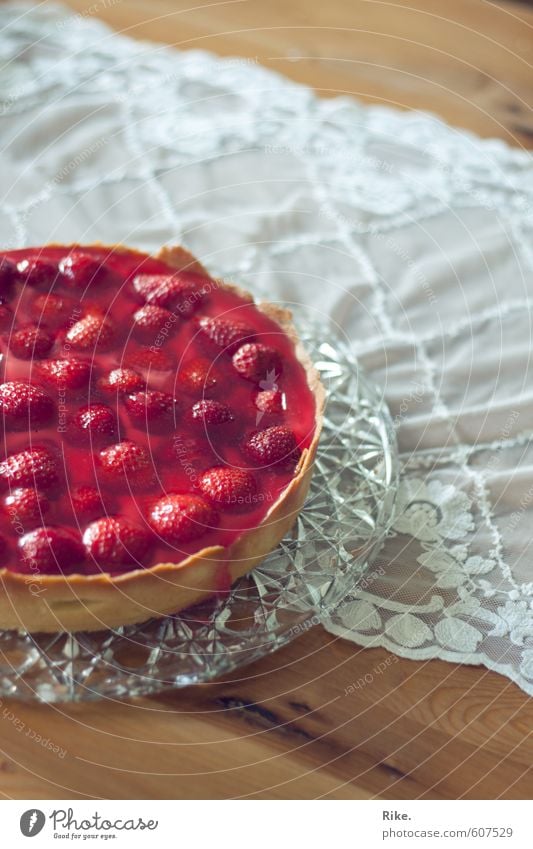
147 413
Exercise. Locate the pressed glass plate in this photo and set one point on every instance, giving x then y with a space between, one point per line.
336 536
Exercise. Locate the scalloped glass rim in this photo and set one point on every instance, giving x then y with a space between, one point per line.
338 533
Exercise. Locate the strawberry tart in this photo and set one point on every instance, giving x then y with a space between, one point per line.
159 432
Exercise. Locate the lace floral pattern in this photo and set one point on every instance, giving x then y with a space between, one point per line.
459 617
412 237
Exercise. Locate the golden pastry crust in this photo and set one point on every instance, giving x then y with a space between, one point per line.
53 603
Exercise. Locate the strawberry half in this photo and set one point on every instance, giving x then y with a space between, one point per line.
151 409
149 360
23 406
91 333
31 343
225 333
124 381
257 362
229 489
26 507
51 550
209 412
181 293
116 541
33 467
275 446
87 502
82 271
94 424
65 373
127 463
197 376
8 276
150 321
270 401
52 310
182 518
37 272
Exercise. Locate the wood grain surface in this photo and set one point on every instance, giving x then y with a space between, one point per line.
321 718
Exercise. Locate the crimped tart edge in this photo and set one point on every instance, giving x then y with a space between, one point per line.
54 603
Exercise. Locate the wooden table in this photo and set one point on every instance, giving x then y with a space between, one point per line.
284 728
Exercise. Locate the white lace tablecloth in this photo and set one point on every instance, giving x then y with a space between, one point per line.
415 238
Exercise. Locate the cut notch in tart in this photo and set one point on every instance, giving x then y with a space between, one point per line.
159 434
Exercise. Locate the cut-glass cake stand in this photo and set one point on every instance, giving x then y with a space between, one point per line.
339 531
